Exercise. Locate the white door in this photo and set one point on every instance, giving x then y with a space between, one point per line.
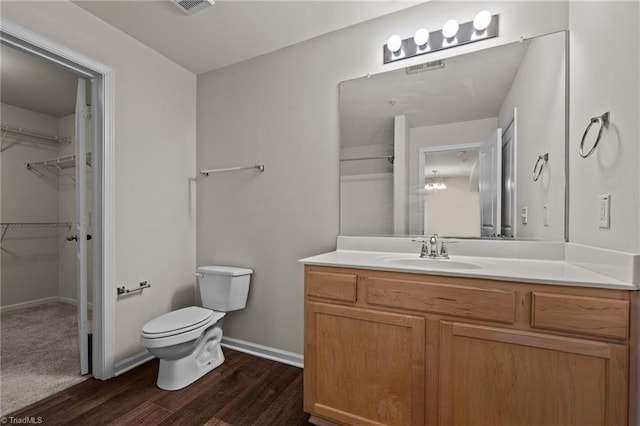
509 181
490 185
82 114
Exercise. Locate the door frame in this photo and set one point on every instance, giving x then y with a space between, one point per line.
103 173
421 175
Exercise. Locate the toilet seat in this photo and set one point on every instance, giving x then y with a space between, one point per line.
178 326
177 322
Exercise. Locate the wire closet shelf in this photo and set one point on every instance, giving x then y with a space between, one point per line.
18 134
56 166
7 228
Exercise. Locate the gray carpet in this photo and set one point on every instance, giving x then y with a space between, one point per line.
38 354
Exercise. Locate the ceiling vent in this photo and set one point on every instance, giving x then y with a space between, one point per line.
192 6
427 66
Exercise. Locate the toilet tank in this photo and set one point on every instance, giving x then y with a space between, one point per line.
224 288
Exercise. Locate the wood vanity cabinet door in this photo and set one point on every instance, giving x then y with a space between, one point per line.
364 367
494 376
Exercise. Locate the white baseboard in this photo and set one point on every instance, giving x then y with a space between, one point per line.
285 357
71 301
42 301
28 304
132 362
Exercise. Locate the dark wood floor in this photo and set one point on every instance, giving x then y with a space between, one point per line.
245 390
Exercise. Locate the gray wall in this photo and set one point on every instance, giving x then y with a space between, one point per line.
154 207
29 256
539 91
281 109
38 263
604 63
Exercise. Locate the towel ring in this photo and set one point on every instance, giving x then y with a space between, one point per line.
537 171
603 121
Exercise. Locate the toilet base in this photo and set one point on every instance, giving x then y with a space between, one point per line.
179 373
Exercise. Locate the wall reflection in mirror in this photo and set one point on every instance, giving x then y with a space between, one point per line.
449 147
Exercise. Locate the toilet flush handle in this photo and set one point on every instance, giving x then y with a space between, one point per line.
199 275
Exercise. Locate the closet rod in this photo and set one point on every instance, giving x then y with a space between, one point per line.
231 169
35 224
389 158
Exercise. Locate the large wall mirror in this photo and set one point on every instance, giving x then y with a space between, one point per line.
472 146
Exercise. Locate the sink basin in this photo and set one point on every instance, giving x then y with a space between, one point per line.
427 263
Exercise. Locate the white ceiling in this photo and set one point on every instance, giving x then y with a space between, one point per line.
456 163
35 84
469 87
234 30
220 35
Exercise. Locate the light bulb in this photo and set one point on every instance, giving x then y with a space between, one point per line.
450 28
421 37
394 44
482 20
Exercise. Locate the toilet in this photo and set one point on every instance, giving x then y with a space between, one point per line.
187 340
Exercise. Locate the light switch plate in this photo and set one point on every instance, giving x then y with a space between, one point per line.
604 211
524 215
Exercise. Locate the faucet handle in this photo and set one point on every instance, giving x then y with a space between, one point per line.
444 252
420 240
424 250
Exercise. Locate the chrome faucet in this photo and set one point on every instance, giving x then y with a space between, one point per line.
430 247
433 242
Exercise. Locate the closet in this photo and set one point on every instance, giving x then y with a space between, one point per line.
38 256
38 209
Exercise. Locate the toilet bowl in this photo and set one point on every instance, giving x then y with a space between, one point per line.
187 341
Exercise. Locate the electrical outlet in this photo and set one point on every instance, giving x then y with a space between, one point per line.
604 211
524 215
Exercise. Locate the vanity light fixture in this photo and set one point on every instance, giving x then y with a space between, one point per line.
450 29
421 38
483 26
394 44
482 20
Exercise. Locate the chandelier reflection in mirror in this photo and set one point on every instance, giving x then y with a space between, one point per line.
435 183
483 26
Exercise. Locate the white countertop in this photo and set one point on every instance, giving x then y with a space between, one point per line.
556 272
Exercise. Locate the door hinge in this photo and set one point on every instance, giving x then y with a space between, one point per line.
86 112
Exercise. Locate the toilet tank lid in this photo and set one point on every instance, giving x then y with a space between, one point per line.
233 271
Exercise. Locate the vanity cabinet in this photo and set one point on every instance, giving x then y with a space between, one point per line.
497 376
368 365
394 348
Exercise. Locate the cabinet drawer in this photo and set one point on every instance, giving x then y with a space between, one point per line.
331 285
579 314
459 301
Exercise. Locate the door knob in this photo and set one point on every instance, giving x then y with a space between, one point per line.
75 237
